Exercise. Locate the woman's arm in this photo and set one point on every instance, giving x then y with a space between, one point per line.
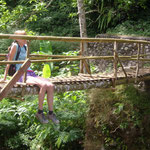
10 57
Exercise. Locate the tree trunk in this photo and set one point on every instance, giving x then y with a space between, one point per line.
83 33
82 20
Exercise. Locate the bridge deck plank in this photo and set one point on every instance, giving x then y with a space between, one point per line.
83 81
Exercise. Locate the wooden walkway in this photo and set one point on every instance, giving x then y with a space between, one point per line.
80 82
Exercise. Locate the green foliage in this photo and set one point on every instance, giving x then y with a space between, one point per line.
20 129
60 18
104 14
57 20
14 15
43 48
46 71
68 68
65 68
61 47
133 27
46 46
4 44
120 118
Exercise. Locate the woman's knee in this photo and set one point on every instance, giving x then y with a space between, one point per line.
43 85
50 86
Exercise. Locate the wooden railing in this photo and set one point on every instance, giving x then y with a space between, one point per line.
44 58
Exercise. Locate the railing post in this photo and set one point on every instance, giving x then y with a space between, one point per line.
122 66
84 67
115 61
138 57
143 53
81 54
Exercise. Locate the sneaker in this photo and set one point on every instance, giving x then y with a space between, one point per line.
53 118
41 117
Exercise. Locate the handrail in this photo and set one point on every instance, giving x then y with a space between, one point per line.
76 59
65 56
70 39
114 58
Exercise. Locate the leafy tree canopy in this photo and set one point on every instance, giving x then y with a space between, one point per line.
60 17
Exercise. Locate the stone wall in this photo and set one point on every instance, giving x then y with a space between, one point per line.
106 49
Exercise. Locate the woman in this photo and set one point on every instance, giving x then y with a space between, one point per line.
32 79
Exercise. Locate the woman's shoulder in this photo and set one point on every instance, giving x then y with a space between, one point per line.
25 45
13 48
14 44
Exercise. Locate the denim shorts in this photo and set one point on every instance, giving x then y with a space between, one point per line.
30 73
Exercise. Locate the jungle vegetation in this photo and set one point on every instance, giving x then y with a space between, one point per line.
128 109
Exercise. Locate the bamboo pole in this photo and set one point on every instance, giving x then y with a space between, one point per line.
115 62
83 62
69 39
52 56
137 68
122 66
81 54
143 54
3 55
75 59
38 56
78 57
87 67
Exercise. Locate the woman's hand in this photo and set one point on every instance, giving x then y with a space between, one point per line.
2 80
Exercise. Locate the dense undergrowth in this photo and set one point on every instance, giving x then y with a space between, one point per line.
19 128
118 119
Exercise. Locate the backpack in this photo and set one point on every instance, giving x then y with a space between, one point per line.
12 68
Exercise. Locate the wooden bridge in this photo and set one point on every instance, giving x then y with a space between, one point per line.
12 88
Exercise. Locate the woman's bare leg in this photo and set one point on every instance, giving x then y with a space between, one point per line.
41 97
45 86
35 81
50 92
42 92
